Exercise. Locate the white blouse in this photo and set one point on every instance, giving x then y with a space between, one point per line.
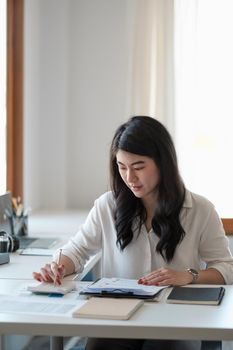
204 244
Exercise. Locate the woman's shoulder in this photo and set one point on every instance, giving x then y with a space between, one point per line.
105 200
194 200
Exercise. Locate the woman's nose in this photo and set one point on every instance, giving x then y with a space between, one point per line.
130 176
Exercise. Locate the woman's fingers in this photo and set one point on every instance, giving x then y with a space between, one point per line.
50 273
154 277
37 276
165 277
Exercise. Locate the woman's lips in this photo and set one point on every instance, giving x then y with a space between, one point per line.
135 188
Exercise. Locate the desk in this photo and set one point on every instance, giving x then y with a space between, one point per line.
152 321
61 224
22 266
50 224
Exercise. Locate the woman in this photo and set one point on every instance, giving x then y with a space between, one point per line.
149 227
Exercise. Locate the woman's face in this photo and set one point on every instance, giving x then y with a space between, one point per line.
139 173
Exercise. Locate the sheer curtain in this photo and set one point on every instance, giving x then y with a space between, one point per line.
181 72
203 98
151 59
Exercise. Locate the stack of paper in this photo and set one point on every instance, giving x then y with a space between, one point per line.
121 287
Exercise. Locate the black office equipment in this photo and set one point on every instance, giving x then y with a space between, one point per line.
8 224
4 258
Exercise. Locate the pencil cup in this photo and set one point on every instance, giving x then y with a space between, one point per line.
21 225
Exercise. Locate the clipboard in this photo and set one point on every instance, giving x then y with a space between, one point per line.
121 288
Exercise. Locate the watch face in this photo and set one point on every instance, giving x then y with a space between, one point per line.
193 271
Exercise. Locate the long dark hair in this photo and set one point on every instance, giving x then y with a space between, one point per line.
146 136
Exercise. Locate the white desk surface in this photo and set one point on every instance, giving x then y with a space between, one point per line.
22 266
154 320
60 224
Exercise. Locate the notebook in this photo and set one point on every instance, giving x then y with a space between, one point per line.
24 241
108 308
200 295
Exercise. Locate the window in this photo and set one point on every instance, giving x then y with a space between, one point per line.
204 104
14 123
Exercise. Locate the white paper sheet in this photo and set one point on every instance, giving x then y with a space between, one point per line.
37 251
31 307
122 285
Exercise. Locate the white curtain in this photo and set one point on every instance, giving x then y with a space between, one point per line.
181 72
151 59
203 96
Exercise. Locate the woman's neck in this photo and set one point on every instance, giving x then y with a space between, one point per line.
150 205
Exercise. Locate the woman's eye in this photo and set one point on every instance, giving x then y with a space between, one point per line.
139 168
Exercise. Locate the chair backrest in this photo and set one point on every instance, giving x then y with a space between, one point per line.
228 226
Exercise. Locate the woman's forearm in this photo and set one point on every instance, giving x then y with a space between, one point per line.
68 264
210 276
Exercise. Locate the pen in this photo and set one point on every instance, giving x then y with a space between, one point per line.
75 277
59 258
58 263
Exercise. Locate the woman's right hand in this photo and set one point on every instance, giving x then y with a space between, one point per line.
51 273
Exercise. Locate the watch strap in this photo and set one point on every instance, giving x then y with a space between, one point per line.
194 274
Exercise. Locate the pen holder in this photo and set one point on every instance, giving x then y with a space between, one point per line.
21 225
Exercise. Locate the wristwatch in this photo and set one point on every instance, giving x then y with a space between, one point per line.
194 274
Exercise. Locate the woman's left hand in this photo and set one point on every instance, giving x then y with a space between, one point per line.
166 277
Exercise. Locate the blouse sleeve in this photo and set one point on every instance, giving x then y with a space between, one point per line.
86 242
214 246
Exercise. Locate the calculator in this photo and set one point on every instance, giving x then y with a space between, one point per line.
51 288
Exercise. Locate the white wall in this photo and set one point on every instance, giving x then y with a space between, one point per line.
97 101
76 82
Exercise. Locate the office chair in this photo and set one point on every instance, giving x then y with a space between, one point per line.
211 345
228 226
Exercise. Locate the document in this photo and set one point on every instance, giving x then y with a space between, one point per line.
121 287
37 251
43 307
20 300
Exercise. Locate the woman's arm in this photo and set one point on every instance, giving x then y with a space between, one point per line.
166 277
80 247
